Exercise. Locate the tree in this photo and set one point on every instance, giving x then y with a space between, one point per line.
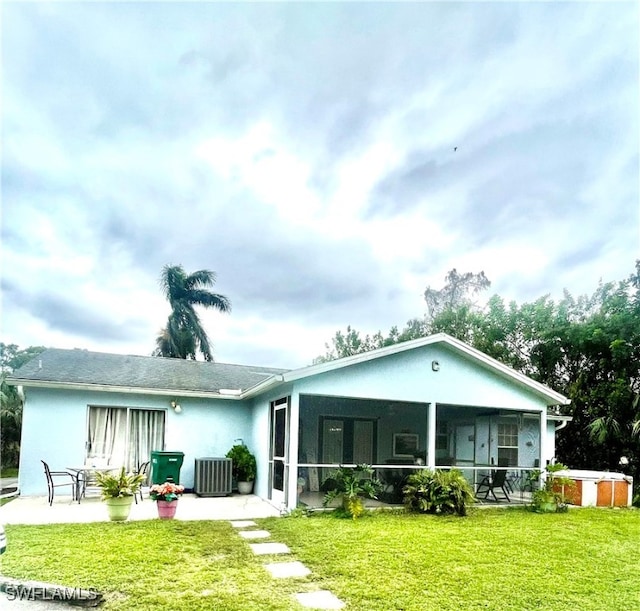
587 348
184 335
450 309
12 358
458 291
601 352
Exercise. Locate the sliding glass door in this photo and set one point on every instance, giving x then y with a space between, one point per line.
123 435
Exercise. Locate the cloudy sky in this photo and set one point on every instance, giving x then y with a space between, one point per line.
307 154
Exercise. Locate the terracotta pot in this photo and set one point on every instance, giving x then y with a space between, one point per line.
167 509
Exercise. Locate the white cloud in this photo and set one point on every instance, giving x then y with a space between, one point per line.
312 167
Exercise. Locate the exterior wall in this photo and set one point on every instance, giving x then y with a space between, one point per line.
55 429
408 376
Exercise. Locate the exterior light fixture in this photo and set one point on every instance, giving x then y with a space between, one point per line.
176 407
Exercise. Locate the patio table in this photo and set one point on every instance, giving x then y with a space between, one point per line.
83 473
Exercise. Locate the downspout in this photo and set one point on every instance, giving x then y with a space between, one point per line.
561 425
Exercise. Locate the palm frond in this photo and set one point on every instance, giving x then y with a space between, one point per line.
603 428
200 279
210 300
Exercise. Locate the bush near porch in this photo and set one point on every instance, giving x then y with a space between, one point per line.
502 559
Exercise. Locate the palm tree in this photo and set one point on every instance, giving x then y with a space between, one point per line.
184 336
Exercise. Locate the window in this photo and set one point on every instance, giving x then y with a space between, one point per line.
123 436
507 444
442 435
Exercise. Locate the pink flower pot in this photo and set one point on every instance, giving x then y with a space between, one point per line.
167 509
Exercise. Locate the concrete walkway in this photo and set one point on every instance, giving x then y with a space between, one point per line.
36 510
315 598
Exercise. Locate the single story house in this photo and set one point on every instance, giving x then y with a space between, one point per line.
434 401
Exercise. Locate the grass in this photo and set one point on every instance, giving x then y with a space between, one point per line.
8 471
586 559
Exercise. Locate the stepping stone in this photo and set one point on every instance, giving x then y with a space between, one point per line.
243 523
260 549
287 569
254 534
322 599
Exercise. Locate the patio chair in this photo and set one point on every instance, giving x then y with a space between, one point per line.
509 480
142 470
52 476
489 484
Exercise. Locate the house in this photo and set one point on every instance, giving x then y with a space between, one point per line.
433 401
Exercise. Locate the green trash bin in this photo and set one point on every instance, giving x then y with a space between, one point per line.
165 466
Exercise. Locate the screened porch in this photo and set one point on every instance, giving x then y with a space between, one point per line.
393 437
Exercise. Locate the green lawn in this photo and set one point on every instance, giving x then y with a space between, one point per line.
586 559
8 471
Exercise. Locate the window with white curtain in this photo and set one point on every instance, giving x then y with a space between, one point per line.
123 435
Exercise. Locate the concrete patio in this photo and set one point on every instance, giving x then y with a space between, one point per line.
36 510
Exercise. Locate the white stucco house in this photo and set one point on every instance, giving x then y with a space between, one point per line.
433 400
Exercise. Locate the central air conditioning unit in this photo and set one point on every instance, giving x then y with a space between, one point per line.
212 477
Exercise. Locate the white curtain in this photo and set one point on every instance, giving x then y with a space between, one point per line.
121 436
107 436
146 433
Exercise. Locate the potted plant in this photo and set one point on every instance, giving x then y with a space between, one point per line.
166 495
117 491
243 467
550 496
352 485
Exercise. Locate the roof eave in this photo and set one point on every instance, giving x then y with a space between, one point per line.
263 386
122 389
559 418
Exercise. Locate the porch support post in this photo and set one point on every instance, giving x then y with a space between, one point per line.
431 435
543 439
292 450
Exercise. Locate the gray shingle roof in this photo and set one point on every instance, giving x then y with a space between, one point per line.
144 372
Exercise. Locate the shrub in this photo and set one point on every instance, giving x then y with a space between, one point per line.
352 484
551 494
243 463
443 491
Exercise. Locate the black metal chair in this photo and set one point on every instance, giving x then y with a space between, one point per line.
509 481
142 470
489 484
51 482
